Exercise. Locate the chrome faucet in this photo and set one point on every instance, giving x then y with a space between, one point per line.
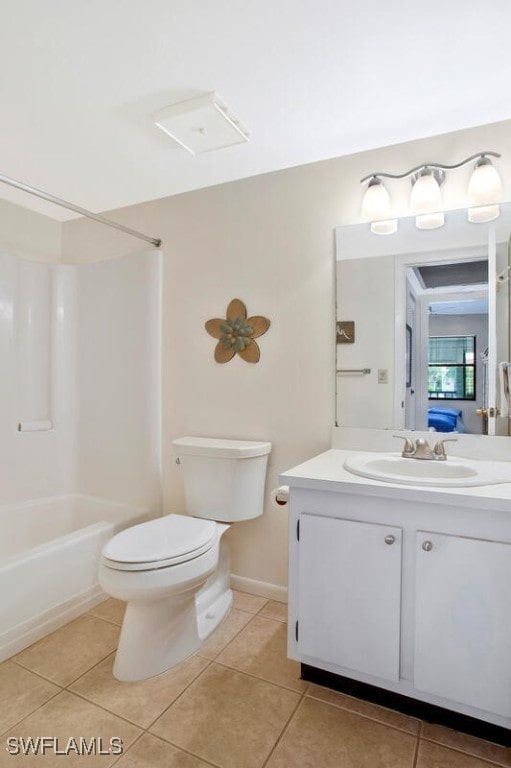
439 449
421 449
408 448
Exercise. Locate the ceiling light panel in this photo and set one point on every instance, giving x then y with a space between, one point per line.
202 124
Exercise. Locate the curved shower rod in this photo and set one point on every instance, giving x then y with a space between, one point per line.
78 209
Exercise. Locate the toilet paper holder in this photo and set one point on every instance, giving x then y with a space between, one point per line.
280 496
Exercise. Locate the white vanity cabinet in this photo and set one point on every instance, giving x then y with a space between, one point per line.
404 590
355 568
463 620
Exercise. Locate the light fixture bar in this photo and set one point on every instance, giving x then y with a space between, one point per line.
440 166
484 194
77 209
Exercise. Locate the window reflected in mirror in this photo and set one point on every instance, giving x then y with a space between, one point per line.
451 368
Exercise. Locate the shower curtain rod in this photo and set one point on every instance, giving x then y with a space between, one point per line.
77 209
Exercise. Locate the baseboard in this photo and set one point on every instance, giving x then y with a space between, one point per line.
259 588
17 638
408 706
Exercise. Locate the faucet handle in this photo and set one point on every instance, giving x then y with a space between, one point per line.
439 449
408 447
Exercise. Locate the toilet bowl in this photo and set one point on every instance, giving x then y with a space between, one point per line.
159 568
174 571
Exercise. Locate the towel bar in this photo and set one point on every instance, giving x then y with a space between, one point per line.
353 370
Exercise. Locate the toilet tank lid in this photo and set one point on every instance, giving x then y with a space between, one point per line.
221 448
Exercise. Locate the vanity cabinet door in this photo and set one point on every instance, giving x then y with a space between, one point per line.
350 594
463 620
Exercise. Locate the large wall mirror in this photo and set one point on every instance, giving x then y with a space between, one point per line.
423 326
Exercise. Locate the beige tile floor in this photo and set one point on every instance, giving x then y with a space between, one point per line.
237 703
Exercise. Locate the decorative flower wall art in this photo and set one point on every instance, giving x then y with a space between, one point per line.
237 333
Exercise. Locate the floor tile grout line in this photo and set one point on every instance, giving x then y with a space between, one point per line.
262 607
272 618
125 753
267 600
205 760
165 741
105 709
88 671
283 731
28 714
252 615
258 677
37 674
49 679
211 662
464 752
102 618
196 677
260 612
417 746
418 735
143 729
237 634
367 717
15 660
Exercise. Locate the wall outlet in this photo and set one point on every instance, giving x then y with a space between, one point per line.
383 376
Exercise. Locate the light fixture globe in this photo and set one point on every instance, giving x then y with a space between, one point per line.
376 201
430 220
483 213
484 192
426 195
384 227
485 186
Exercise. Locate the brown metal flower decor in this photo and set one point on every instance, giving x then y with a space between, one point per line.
237 333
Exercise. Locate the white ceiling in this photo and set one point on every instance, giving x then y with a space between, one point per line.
311 79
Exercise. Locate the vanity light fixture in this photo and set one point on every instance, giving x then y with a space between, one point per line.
376 206
484 194
484 191
426 198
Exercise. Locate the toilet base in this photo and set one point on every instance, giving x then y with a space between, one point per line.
159 634
156 636
211 617
214 599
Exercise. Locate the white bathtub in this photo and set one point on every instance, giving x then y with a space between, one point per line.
49 552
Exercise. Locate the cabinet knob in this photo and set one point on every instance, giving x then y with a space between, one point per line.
390 539
427 546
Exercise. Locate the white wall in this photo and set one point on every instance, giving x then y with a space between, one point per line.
117 360
28 234
268 240
365 294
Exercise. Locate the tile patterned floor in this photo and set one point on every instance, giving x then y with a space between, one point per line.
237 703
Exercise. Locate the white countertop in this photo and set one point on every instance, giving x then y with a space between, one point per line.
325 472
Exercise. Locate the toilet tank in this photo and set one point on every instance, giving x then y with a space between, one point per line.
224 479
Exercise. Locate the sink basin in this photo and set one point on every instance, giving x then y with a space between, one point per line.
453 472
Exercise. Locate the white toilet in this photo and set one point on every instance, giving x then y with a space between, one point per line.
174 571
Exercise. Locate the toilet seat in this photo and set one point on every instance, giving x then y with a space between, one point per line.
160 543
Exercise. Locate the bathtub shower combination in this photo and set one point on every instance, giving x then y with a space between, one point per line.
79 430
49 554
